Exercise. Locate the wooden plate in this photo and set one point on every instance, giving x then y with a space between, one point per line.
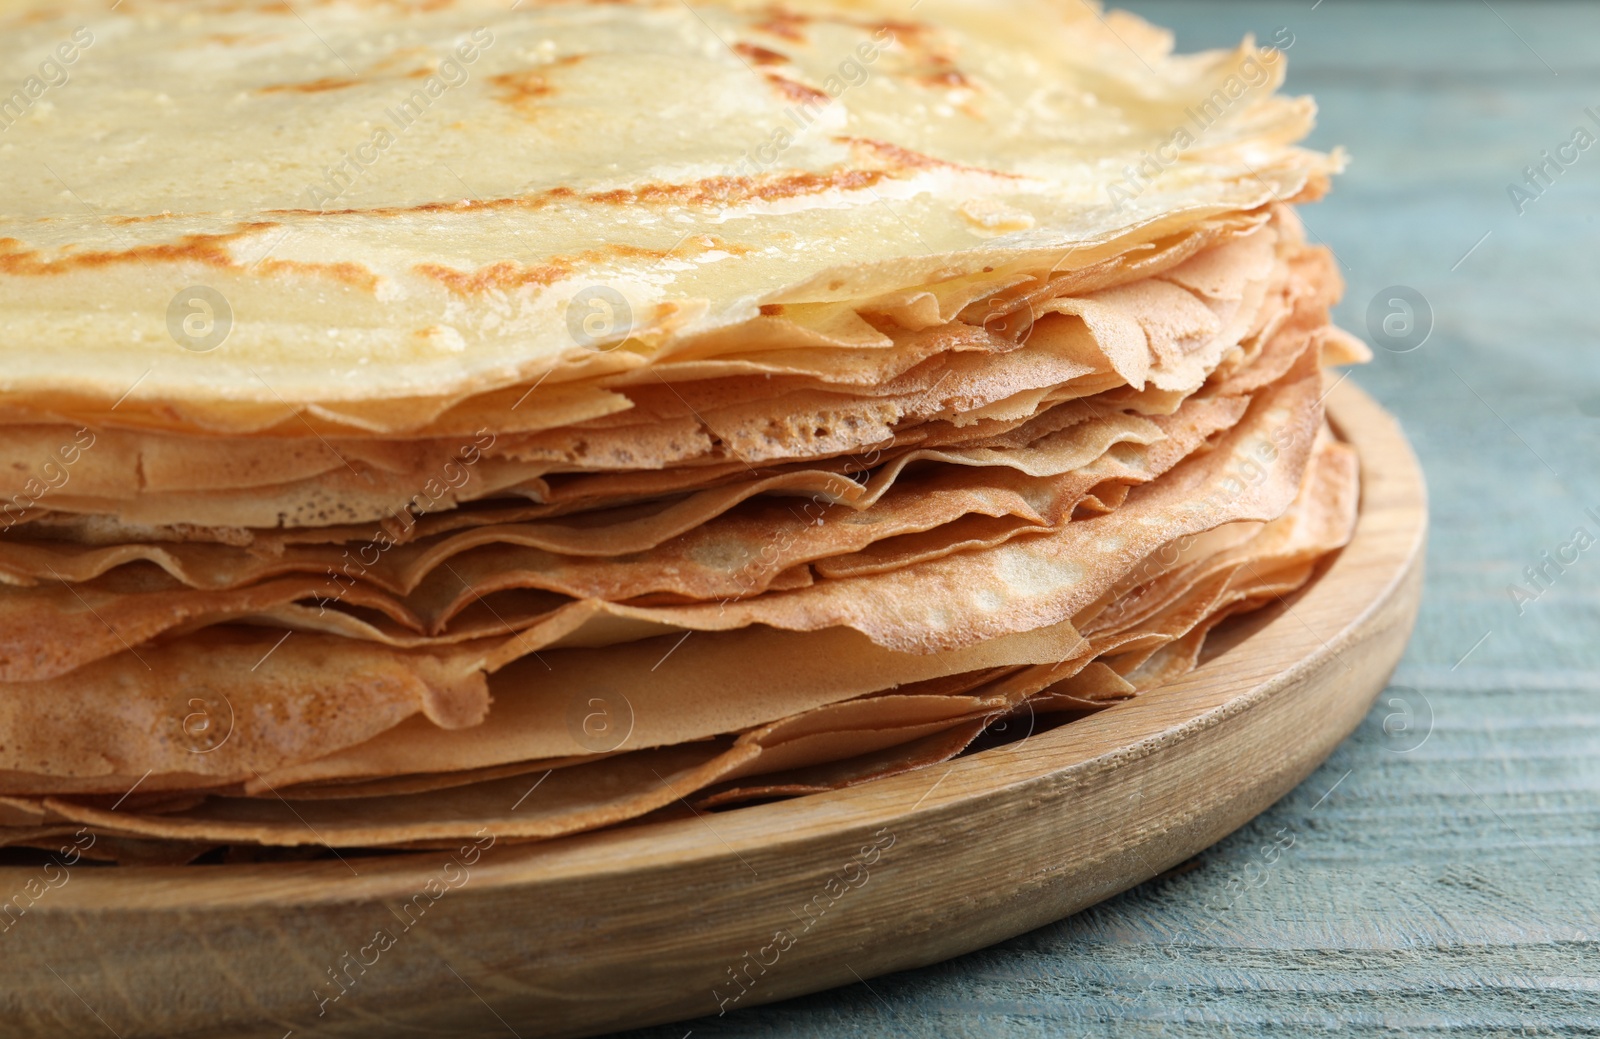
680 919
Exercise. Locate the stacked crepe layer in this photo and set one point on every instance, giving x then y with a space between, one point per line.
797 524
1063 542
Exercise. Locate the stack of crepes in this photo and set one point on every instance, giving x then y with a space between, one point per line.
474 421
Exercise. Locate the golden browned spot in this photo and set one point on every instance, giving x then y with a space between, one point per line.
944 72
207 249
732 191
351 274
905 32
316 86
771 309
465 205
500 277
799 93
760 55
922 47
887 160
148 218
522 89
784 25
210 250
518 88
507 276
894 157
891 155
947 78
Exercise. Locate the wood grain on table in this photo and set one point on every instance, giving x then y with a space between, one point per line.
1451 886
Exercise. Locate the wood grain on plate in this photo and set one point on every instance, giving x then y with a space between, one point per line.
679 919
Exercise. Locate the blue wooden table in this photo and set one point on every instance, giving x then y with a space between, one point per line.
1450 884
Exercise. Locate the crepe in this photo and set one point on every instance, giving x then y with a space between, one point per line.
157 479
582 414
822 748
344 304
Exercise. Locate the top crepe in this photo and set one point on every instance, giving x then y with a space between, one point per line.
387 219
